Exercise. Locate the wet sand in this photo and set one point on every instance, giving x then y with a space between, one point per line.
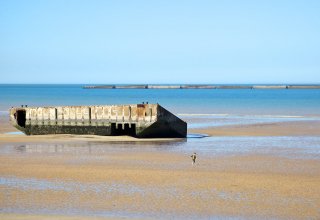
162 185
46 217
294 128
5 125
63 138
140 183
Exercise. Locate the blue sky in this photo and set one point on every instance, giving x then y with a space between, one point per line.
159 41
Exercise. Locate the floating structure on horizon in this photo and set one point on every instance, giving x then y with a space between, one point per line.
198 86
138 120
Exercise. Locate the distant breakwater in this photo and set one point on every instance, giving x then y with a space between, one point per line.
201 87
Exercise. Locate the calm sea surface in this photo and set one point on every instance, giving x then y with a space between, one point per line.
241 102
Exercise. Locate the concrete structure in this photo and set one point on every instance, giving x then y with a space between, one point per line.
194 86
197 87
141 120
303 87
270 87
234 87
163 87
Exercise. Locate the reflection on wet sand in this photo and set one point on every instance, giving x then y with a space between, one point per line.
93 148
301 147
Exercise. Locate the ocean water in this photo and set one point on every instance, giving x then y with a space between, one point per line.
236 102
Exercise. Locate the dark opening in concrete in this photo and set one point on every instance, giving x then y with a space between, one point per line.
123 129
21 118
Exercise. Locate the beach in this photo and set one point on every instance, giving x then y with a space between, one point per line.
295 128
5 124
70 176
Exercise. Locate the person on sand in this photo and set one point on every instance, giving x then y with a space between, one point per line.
193 157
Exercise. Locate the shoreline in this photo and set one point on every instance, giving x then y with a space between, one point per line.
17 138
300 128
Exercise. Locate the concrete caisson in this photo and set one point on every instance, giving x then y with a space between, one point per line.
140 120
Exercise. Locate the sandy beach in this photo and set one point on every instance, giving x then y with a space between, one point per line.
160 184
5 125
294 128
139 182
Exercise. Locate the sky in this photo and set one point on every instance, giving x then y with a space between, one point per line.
211 42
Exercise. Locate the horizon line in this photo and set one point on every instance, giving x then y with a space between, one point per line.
93 84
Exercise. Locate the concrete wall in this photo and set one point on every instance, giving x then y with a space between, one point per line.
90 115
141 120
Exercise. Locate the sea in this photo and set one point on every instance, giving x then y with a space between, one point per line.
240 102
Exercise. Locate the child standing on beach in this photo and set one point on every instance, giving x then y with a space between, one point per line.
193 157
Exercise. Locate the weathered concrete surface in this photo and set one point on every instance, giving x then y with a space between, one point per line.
198 87
164 87
141 120
303 87
270 87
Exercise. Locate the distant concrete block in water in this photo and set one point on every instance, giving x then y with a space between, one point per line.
270 87
199 86
163 87
303 87
140 120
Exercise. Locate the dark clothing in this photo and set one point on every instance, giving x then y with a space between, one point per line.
193 157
